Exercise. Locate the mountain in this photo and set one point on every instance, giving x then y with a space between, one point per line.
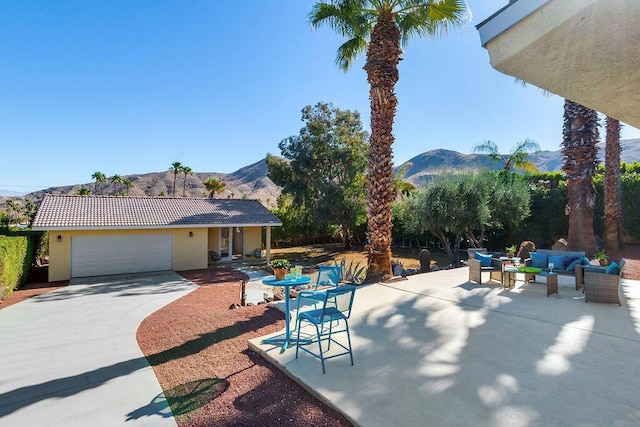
252 181
439 161
9 193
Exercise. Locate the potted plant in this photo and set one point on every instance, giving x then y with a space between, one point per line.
602 258
280 268
511 251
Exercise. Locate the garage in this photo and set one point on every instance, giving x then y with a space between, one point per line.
120 254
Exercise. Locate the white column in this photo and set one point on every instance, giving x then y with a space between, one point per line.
268 243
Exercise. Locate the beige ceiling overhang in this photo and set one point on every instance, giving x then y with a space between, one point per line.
587 51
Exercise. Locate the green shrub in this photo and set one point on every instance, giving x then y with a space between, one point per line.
17 252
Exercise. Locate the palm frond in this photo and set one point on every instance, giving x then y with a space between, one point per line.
349 52
526 146
488 147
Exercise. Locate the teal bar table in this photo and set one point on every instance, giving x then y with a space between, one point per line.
287 283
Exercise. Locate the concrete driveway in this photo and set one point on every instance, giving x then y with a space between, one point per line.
70 357
437 350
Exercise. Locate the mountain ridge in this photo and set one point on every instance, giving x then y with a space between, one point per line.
251 181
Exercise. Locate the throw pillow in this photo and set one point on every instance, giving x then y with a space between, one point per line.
485 260
613 268
568 259
558 261
539 260
572 265
585 261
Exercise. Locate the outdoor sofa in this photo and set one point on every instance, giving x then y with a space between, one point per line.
568 263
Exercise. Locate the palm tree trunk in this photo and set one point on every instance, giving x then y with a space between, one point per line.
383 55
580 136
612 191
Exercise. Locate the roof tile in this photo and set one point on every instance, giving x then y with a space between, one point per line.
91 212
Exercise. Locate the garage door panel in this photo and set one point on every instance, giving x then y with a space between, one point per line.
119 254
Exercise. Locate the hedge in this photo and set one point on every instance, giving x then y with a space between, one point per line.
17 254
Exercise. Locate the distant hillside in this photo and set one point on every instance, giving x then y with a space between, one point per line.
436 162
251 181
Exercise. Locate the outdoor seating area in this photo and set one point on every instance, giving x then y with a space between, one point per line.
437 340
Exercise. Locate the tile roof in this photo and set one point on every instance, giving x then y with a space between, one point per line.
109 212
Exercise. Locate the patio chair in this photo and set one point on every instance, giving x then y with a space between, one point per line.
476 268
327 321
603 286
328 277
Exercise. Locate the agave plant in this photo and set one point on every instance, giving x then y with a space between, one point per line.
351 274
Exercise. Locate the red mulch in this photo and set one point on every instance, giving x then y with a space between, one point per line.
198 348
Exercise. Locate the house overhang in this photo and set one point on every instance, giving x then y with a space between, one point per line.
582 50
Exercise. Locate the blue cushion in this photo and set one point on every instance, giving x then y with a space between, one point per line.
558 261
539 260
613 268
585 261
485 260
568 259
572 265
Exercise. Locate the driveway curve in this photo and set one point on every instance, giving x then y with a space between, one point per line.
70 357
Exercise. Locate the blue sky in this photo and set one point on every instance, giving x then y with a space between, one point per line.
128 87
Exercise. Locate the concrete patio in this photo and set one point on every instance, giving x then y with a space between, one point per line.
438 350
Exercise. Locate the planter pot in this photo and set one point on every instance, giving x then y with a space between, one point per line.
280 273
604 262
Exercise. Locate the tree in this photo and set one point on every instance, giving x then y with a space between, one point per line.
214 186
612 189
518 158
379 27
83 191
101 179
128 184
176 168
324 168
579 150
116 179
403 187
186 170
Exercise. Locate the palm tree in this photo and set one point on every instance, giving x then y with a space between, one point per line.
612 191
379 27
579 149
518 158
403 187
100 180
214 186
186 170
128 184
176 168
115 180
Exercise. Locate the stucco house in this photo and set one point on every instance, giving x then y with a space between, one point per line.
583 50
101 235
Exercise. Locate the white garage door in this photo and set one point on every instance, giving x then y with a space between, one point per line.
119 254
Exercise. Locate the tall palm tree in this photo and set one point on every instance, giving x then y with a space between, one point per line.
100 180
518 158
128 184
115 180
379 27
186 170
214 186
579 149
612 191
176 168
